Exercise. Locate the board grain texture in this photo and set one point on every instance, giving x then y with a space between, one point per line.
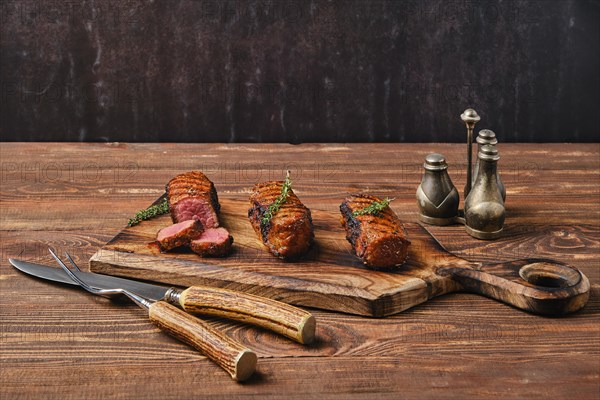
59 342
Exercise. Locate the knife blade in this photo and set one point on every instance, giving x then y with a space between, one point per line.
282 318
150 291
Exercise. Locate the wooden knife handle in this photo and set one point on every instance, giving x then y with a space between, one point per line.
539 286
282 318
230 355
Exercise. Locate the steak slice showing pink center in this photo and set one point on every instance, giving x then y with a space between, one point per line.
179 234
195 207
214 242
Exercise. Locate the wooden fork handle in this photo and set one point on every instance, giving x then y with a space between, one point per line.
230 355
282 318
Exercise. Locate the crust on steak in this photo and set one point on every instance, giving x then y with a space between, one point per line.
290 232
379 240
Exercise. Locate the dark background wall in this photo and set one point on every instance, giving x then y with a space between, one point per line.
298 71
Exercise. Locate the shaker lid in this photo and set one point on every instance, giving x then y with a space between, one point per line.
489 153
470 115
435 162
486 136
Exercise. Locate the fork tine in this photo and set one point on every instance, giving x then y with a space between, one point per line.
76 279
139 300
58 260
72 262
71 274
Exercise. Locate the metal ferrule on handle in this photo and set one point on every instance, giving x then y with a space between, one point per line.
172 296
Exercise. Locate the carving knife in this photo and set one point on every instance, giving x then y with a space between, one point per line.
282 318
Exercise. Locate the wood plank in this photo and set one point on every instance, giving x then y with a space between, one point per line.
413 377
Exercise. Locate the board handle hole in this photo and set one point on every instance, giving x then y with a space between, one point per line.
550 275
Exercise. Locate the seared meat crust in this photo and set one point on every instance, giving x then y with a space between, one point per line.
290 233
379 240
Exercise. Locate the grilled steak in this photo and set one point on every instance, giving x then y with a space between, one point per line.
179 234
290 233
379 240
214 242
192 195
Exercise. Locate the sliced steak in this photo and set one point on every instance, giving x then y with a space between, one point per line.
290 233
179 234
192 195
379 240
214 242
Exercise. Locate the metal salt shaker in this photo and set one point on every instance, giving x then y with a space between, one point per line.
437 197
484 206
486 136
470 118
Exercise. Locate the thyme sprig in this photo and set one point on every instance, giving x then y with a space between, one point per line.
150 212
281 199
374 208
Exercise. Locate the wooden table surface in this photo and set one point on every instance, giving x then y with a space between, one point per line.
60 342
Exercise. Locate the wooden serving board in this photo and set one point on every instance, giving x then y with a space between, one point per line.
331 277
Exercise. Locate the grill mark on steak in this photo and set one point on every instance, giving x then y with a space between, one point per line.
290 233
378 240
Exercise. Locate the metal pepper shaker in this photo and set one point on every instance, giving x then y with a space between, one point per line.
437 197
484 207
487 136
